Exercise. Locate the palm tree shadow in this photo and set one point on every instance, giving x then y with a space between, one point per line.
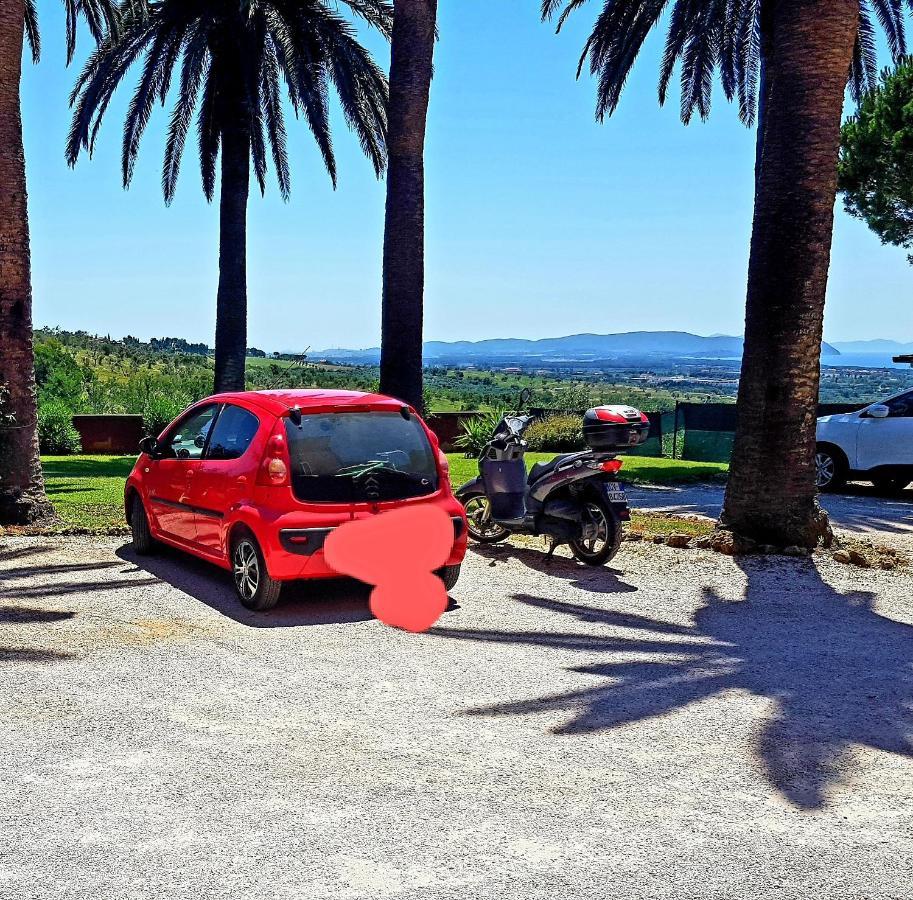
839 673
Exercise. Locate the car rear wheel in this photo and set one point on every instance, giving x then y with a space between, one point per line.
256 588
143 542
891 486
603 535
830 470
450 575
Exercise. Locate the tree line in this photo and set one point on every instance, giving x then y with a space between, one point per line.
785 63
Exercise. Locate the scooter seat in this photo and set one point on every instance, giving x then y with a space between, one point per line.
540 470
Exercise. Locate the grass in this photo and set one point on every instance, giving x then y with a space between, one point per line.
88 491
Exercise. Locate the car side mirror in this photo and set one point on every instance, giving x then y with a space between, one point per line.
149 446
878 411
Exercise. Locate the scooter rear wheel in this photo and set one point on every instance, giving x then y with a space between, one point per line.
478 518
599 549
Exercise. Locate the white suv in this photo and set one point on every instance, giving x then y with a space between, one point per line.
874 444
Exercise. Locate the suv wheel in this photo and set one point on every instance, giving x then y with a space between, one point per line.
256 588
830 470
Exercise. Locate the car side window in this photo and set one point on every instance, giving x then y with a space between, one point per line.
188 438
233 433
901 407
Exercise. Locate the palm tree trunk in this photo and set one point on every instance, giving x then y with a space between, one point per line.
411 66
231 302
22 497
771 493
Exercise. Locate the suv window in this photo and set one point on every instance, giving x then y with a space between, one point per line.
234 430
901 407
188 438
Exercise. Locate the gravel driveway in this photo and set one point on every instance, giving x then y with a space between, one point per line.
857 509
684 725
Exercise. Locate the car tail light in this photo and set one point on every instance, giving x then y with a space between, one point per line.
274 466
612 466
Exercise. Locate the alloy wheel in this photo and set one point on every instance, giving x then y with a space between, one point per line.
246 569
598 529
825 469
478 512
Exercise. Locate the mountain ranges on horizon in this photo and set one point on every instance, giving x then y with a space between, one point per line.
575 347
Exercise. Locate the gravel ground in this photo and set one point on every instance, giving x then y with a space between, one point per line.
683 725
857 510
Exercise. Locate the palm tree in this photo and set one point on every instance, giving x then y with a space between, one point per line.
235 59
803 53
22 496
412 51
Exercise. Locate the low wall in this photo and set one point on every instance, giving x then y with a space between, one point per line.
109 434
448 426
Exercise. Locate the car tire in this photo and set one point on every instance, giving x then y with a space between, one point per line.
450 575
143 542
256 588
889 486
612 541
830 469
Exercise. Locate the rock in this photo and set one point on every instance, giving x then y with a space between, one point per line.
841 556
887 564
658 539
795 550
633 536
681 541
705 542
859 559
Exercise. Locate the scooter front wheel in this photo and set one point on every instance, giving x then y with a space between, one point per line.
478 518
604 537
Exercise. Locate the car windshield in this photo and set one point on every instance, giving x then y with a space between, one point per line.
359 457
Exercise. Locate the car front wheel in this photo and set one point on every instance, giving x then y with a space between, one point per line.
256 588
830 472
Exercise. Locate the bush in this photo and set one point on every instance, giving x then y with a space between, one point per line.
56 434
477 432
161 409
556 434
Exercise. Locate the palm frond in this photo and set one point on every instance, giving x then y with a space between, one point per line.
32 33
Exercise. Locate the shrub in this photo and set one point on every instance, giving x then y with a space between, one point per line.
161 409
56 434
556 434
477 432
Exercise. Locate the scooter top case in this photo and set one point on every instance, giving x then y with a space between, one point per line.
615 428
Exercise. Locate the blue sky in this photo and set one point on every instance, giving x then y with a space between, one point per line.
540 222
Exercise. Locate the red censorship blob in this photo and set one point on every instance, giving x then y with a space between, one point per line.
397 552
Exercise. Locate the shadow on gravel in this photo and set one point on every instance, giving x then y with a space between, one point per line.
21 615
840 674
314 602
597 579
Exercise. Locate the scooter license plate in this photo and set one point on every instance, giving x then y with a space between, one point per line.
615 492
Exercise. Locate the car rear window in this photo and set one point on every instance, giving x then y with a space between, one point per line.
360 457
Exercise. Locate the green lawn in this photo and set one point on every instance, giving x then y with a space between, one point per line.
88 491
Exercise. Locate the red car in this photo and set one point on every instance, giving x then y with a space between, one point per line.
255 481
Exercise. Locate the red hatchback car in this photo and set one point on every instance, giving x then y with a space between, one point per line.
255 481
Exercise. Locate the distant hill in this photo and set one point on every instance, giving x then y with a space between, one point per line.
879 346
575 347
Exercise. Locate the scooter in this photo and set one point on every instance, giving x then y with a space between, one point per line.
574 499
